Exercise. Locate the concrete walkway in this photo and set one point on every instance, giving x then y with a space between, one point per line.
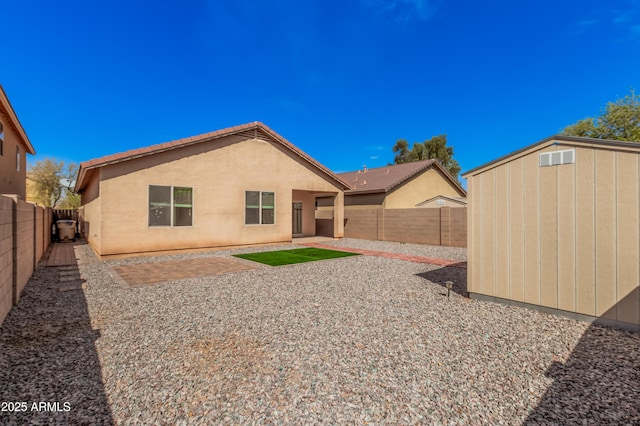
416 259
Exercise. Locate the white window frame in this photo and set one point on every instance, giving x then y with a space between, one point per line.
1 139
18 157
259 208
171 215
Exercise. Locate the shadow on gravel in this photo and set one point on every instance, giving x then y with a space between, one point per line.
49 367
448 273
599 383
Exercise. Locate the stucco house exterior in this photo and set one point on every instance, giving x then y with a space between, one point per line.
14 147
236 186
443 201
555 226
399 186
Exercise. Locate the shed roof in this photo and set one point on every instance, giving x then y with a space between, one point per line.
252 130
555 140
385 179
7 109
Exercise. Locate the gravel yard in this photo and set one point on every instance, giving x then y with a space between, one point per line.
359 340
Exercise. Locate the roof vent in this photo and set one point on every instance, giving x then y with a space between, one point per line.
364 168
557 158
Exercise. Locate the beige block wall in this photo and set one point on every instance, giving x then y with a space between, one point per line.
424 186
25 228
219 178
22 240
565 237
6 256
12 180
445 226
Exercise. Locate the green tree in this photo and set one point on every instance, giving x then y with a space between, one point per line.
50 183
619 120
436 148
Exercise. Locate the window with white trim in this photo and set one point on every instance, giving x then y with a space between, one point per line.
259 208
170 206
1 139
17 158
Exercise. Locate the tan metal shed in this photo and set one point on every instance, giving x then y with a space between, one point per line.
555 226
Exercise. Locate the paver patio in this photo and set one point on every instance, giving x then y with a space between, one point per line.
157 272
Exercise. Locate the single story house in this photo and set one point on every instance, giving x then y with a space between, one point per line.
399 186
14 147
556 226
386 204
236 186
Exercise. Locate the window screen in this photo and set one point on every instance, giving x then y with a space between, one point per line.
159 205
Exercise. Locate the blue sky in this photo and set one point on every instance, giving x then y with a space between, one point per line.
342 80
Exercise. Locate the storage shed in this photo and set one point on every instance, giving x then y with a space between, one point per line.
555 226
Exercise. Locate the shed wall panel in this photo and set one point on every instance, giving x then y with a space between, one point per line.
566 237
628 308
585 237
488 233
516 221
532 230
502 232
474 220
605 205
549 236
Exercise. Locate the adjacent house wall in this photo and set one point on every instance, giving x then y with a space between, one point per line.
564 237
219 172
422 187
12 179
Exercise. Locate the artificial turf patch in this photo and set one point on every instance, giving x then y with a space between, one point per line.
288 257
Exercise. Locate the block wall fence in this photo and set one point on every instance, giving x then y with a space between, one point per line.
25 235
445 226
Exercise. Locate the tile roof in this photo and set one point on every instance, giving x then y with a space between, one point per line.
385 179
257 126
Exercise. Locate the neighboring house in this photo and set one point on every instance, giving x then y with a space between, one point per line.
14 147
400 186
443 201
556 226
241 185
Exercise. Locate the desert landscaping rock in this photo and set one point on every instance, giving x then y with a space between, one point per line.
358 340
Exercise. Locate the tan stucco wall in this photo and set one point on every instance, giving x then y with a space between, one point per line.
446 202
12 181
565 237
422 187
219 172
90 212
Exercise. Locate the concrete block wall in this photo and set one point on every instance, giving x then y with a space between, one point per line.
24 238
6 256
435 226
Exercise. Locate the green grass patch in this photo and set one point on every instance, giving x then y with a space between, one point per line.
288 257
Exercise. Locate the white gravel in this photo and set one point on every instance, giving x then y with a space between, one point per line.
353 340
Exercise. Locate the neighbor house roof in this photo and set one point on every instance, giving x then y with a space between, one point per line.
555 140
385 179
14 122
252 130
